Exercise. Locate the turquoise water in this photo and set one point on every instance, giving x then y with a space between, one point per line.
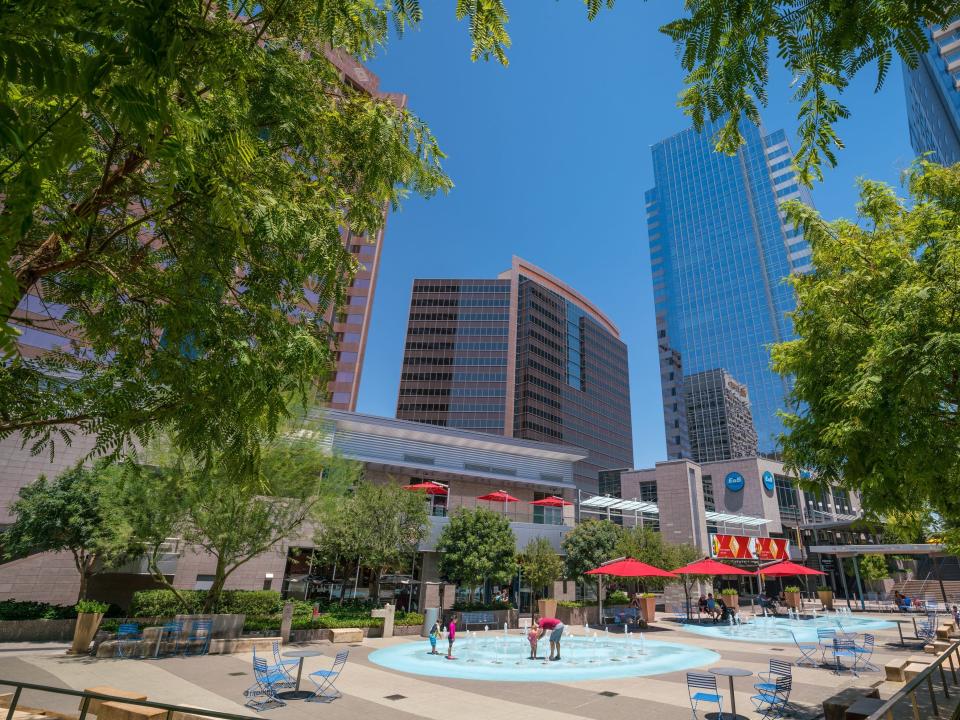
494 656
778 630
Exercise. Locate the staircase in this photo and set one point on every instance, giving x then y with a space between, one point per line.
930 588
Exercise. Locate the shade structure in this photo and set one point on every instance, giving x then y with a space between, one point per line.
710 567
499 496
787 569
429 487
552 501
629 567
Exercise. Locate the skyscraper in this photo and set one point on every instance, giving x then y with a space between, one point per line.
719 421
523 355
933 96
720 250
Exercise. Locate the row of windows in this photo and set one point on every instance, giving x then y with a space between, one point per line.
460 302
495 361
451 407
459 317
454 392
544 399
549 328
427 345
480 331
463 288
530 410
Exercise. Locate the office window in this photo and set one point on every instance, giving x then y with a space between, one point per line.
709 503
648 491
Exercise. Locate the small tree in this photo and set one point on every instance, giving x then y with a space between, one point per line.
381 524
648 546
68 514
541 564
871 567
476 546
590 544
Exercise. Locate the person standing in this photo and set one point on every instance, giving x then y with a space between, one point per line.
451 635
435 633
555 628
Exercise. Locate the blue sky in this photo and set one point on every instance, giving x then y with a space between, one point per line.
550 159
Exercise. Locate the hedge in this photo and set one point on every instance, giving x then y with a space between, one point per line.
27 610
329 620
163 603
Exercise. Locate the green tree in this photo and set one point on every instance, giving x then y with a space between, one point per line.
213 509
68 514
648 546
873 567
476 546
380 525
877 384
541 564
590 544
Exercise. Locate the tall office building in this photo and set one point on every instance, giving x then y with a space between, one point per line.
719 421
933 96
720 249
523 355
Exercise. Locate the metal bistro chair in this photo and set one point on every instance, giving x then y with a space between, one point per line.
806 652
865 653
773 702
282 663
172 632
825 638
702 687
927 630
263 694
199 640
284 680
844 648
128 640
778 669
326 687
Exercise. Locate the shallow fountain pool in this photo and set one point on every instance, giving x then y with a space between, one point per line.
778 630
495 656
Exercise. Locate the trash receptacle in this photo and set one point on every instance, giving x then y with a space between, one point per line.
430 616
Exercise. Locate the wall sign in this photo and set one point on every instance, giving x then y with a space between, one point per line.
768 481
740 547
734 482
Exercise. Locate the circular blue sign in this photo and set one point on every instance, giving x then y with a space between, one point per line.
768 482
734 482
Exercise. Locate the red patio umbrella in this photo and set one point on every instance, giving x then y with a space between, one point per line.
429 487
706 567
552 501
787 569
499 496
624 567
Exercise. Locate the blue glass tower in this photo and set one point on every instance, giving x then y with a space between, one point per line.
933 96
720 251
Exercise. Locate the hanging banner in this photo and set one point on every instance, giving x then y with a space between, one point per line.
741 547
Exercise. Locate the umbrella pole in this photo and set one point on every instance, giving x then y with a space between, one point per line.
599 599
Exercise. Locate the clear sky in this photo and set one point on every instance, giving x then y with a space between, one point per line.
550 159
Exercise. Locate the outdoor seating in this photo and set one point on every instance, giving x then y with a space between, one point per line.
778 669
702 687
825 638
172 634
263 694
773 702
285 680
629 616
199 641
806 651
844 648
326 687
282 663
865 653
927 630
128 639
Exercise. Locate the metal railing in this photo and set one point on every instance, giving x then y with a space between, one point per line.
86 697
925 680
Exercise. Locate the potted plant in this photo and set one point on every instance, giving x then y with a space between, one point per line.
648 606
731 598
89 615
826 597
791 594
547 607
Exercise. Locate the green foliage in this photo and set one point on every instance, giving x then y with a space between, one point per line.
792 588
91 606
164 603
576 603
876 386
541 564
729 591
648 546
618 597
475 546
824 588
28 610
873 567
725 49
71 513
647 595
589 545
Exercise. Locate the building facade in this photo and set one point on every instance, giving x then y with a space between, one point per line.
523 356
720 249
719 421
932 92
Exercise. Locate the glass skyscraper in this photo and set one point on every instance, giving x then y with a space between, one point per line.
720 250
933 96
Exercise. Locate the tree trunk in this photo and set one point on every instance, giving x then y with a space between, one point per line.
213 594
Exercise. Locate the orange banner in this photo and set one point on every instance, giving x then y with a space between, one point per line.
741 547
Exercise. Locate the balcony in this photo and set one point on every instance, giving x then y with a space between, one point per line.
524 532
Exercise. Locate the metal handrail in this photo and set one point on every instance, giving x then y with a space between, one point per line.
885 711
88 696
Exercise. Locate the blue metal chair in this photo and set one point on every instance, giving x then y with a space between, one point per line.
128 639
806 652
778 669
865 653
844 648
702 687
172 632
326 687
287 681
263 694
825 638
199 640
773 702
281 662
927 630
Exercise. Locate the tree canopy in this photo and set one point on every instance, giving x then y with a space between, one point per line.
541 564
876 379
476 546
589 545
646 545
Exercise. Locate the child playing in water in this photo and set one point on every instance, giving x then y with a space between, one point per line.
435 633
533 634
451 636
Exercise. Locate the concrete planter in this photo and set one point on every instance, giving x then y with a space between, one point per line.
732 601
826 598
578 615
793 600
648 609
547 607
85 629
36 630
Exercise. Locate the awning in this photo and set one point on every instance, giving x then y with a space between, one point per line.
727 519
602 502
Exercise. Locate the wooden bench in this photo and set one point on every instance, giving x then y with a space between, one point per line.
477 618
126 711
346 635
863 708
94 706
835 708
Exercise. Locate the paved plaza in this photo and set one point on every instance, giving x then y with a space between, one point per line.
217 682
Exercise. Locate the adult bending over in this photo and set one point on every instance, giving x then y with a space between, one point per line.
555 628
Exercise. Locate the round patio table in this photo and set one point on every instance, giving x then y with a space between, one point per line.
297 693
731 672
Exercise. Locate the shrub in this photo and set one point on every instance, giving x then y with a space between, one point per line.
729 591
250 602
792 588
576 603
824 588
163 603
27 610
648 595
91 606
475 606
408 619
618 597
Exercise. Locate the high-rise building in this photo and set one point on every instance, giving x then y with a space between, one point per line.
933 96
719 421
523 355
720 250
